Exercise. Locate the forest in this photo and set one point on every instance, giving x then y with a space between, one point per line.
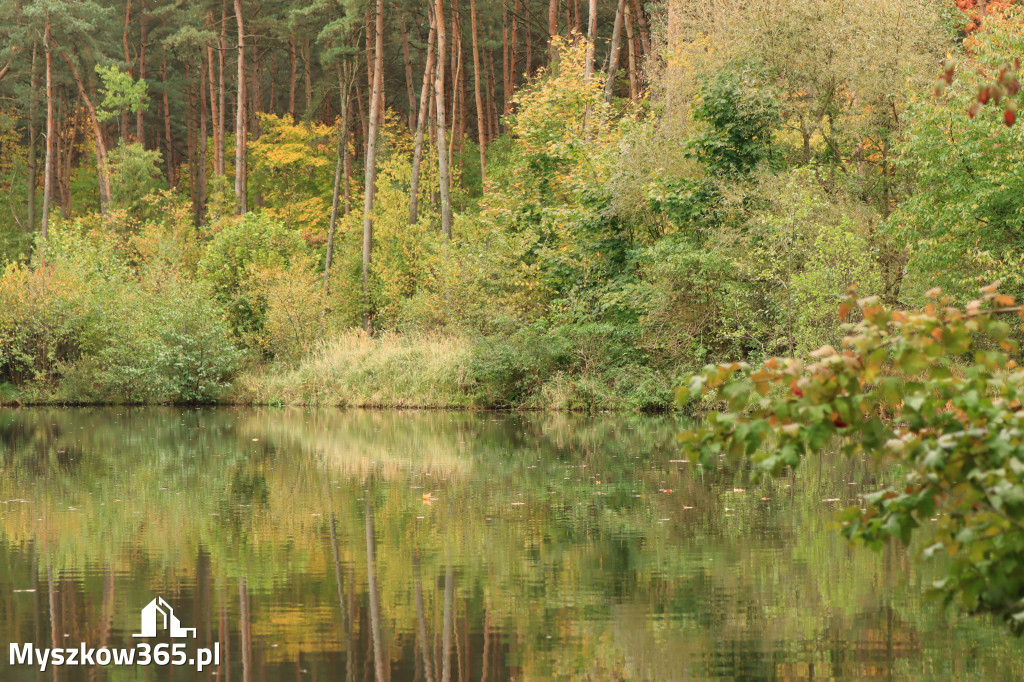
514 205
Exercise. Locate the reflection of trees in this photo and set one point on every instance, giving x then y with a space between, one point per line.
538 546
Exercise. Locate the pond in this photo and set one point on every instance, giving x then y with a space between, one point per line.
360 545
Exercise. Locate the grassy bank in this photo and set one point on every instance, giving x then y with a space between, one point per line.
356 370
531 371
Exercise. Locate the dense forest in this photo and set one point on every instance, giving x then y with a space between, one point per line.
515 204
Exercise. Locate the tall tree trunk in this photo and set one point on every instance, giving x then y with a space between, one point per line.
552 30
613 59
442 152
203 192
645 29
421 117
505 52
214 104
528 36
345 75
171 174
634 88
222 46
591 37
241 122
293 72
33 136
371 156
481 112
408 71
513 56
461 81
190 145
127 62
492 103
140 119
307 74
102 169
48 162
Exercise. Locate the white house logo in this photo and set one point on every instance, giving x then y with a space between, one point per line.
157 617
159 612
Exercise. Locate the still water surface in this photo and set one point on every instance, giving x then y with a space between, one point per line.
350 545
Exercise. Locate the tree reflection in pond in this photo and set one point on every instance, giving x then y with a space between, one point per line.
451 546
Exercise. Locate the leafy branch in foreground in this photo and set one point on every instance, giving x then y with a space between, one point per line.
937 391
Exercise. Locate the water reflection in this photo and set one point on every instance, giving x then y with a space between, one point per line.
449 546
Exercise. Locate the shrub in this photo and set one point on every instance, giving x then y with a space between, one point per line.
254 241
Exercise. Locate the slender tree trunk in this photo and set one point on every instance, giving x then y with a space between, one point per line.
171 174
48 162
505 78
645 30
203 191
417 154
408 71
364 130
634 89
591 37
492 102
214 104
33 136
442 153
222 45
528 36
128 63
140 119
293 72
371 156
460 80
345 89
481 112
190 146
513 56
102 169
552 30
613 59
307 74
241 123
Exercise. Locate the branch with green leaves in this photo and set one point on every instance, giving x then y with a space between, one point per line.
937 391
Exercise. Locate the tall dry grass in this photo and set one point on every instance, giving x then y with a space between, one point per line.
355 370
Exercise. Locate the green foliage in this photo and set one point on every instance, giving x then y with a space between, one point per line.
741 119
937 391
693 306
961 224
256 241
121 94
134 177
